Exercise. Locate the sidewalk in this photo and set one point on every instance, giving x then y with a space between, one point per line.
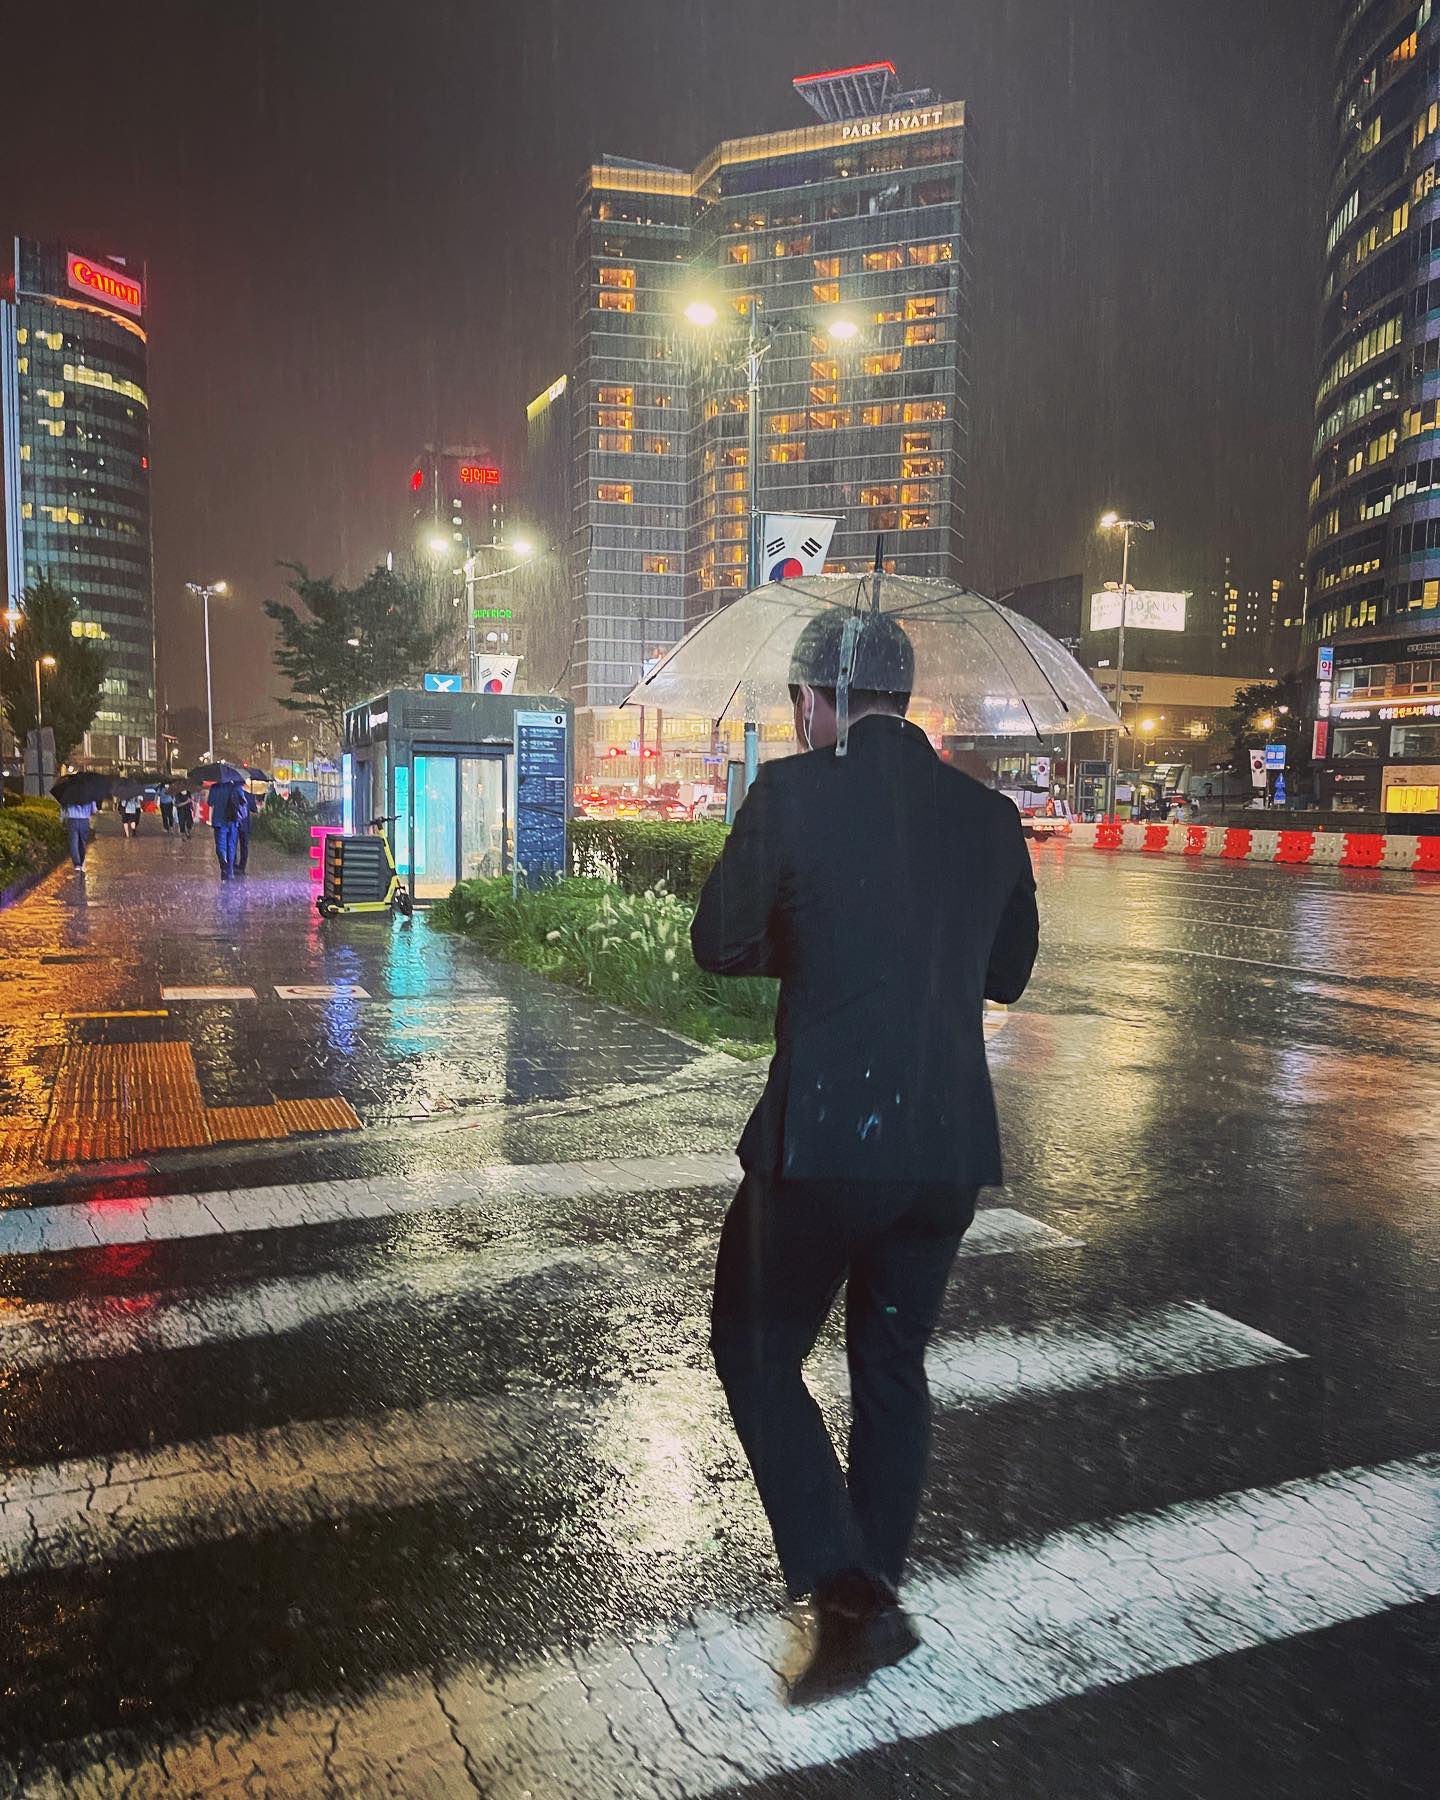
117 1039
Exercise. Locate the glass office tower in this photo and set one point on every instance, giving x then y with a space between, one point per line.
1373 556
861 220
74 442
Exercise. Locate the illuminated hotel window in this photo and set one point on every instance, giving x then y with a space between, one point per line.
610 301
915 519
913 441
891 317
827 266
884 259
782 423
732 482
829 420
617 278
886 414
799 246
617 493
732 507
922 465
824 393
662 399
923 412
742 304
931 253
922 306
618 441
614 419
824 369
732 554
877 496
735 457
657 446
881 362
658 565
927 332
615 396
826 293
738 253
50 397
884 518
791 452
916 493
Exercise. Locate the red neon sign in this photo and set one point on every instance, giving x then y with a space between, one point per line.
119 291
837 74
479 475
417 481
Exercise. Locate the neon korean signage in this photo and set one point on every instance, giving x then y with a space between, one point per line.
114 288
479 475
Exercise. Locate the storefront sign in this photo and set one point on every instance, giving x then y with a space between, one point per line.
479 475
113 287
1388 650
1392 709
893 124
1325 662
1320 742
541 797
1145 610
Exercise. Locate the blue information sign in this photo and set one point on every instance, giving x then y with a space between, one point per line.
439 682
1274 756
541 799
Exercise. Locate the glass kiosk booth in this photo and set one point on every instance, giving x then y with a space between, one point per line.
444 764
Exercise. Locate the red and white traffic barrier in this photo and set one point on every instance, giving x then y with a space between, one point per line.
1232 843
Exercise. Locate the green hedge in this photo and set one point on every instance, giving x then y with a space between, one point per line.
632 949
32 837
640 854
284 823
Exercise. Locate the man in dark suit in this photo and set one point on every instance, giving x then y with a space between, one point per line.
891 895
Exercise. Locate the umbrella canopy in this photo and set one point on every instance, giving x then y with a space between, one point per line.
125 787
85 789
218 771
979 668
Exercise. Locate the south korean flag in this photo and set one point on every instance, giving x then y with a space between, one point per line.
795 544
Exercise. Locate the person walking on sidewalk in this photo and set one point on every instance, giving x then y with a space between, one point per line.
227 802
76 818
184 810
891 895
167 809
130 814
248 808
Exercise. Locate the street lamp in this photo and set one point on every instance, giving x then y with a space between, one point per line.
1111 521
520 547
203 591
47 663
439 546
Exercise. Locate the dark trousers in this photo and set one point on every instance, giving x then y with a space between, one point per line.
79 834
785 1251
167 817
225 848
242 846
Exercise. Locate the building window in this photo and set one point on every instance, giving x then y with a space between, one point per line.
931 253
735 457
826 293
615 396
620 442
614 419
610 301
888 317
617 278
915 519
886 414
738 253
923 412
928 332
884 519
658 565
914 441
916 493
922 306
877 496
615 493
792 451
799 246
916 467
825 393
884 259
881 362
657 446
827 266
782 424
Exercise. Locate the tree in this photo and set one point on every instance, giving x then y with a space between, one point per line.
71 695
355 643
1282 703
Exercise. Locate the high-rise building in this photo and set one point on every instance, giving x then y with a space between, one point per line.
75 450
457 493
1373 556
543 587
861 221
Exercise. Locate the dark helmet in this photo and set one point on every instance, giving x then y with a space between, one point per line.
884 655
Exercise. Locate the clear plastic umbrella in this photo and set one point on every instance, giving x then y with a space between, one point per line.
979 668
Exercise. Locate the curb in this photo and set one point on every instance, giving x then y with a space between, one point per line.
1321 849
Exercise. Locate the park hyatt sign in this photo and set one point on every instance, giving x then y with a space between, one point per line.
892 124
112 287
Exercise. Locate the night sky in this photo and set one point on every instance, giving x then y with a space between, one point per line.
358 221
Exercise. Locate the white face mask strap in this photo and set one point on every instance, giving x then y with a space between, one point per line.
807 723
849 644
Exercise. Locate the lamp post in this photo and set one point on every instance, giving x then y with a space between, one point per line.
758 340
203 591
1111 521
41 662
524 550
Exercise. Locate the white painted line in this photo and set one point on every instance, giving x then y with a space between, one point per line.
34 1230
207 993
339 990
995 1367
1022 1627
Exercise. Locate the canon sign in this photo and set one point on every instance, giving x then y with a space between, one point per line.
111 287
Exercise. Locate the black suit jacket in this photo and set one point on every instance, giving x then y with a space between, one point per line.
891 895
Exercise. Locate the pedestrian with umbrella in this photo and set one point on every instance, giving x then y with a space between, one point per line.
78 796
166 801
891 895
184 810
227 809
129 797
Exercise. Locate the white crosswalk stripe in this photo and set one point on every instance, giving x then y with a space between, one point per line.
1021 1627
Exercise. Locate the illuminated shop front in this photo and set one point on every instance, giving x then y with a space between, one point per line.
1378 736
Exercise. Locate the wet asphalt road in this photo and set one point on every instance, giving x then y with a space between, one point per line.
393 1462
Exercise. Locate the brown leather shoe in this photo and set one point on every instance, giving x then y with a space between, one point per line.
860 1628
